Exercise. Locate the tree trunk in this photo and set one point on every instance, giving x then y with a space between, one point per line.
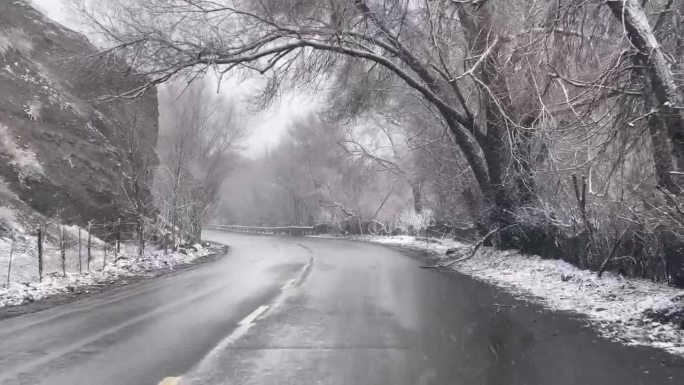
417 189
662 159
500 193
471 151
141 236
660 140
173 230
199 232
657 77
673 249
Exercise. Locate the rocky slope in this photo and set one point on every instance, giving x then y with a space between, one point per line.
64 145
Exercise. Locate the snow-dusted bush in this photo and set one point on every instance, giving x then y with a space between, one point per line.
14 38
8 217
6 192
33 110
413 222
4 44
23 160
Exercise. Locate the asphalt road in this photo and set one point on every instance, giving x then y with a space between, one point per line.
279 310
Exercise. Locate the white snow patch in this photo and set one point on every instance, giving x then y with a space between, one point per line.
613 304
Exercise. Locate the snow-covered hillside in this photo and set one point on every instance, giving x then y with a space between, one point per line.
62 141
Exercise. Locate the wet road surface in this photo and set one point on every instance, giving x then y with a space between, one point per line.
280 310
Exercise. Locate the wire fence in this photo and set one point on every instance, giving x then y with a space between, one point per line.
278 230
14 251
57 249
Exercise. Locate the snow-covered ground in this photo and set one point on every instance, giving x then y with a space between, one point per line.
24 286
615 305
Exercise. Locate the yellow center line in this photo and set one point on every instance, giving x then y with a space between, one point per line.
170 381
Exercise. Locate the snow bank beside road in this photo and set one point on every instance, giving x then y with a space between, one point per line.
615 305
126 265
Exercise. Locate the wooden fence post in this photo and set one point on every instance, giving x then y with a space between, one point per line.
62 250
141 246
80 270
89 232
118 238
9 266
40 254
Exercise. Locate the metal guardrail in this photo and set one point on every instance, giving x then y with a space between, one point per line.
280 230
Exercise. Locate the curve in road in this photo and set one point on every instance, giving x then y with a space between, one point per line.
281 310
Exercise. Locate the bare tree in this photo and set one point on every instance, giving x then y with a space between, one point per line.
521 117
389 151
278 41
308 178
199 135
661 91
138 183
